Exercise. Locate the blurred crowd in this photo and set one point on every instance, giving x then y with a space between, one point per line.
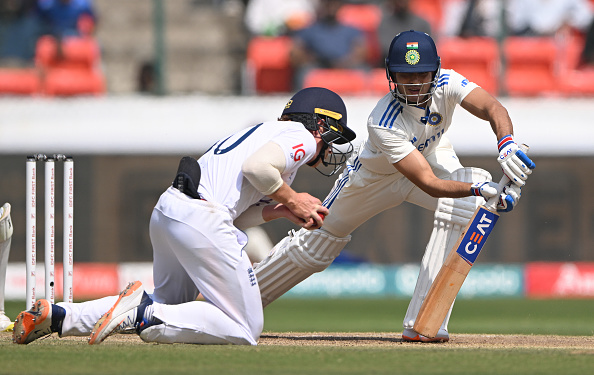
343 34
23 22
294 43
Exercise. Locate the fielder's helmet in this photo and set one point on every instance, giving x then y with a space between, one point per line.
318 101
315 107
412 52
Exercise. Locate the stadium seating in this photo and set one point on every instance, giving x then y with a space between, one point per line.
267 66
378 83
15 81
341 81
476 58
70 68
431 10
574 79
530 66
365 17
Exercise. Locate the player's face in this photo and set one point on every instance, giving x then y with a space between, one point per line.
415 86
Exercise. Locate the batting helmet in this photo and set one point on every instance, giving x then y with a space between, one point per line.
412 52
317 107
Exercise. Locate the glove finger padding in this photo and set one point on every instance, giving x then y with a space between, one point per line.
485 189
509 198
514 162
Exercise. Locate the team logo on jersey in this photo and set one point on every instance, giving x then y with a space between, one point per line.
434 119
412 57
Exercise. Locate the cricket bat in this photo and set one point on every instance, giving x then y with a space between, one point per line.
460 260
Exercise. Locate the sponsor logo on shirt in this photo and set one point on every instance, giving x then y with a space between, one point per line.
299 153
428 141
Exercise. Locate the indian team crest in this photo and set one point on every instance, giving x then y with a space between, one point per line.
412 57
434 119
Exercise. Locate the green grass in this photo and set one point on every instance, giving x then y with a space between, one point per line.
514 316
186 359
504 316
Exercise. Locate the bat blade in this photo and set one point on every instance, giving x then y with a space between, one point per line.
452 274
454 270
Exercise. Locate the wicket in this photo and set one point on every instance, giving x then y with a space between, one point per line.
31 243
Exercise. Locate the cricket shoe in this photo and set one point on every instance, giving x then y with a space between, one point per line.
33 324
125 314
6 324
410 335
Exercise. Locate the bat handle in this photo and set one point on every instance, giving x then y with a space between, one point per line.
492 202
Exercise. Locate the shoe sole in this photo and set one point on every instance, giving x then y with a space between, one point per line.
418 338
26 323
128 299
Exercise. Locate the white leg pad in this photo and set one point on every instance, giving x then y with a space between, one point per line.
6 231
451 217
294 259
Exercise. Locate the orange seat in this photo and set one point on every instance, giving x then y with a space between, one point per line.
476 58
71 68
341 81
19 81
365 17
530 66
268 64
70 82
573 79
431 10
75 53
378 82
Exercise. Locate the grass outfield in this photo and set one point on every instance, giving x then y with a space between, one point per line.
497 316
369 352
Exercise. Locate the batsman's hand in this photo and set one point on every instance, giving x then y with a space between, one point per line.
509 197
514 162
485 189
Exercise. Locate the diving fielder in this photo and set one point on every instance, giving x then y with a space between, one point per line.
406 157
197 245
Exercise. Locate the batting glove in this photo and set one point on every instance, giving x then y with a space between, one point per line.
486 189
509 197
515 163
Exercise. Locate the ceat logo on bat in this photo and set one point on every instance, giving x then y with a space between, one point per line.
475 237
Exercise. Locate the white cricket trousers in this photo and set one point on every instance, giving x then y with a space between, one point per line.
196 249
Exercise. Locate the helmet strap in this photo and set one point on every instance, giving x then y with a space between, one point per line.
320 156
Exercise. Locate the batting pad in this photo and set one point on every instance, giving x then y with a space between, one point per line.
6 231
450 219
294 259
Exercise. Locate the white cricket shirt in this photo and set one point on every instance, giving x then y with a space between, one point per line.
395 129
222 180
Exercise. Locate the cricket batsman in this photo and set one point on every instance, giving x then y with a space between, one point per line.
407 158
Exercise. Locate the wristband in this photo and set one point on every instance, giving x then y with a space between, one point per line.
505 141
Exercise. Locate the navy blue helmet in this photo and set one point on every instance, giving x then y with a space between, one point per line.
317 107
412 52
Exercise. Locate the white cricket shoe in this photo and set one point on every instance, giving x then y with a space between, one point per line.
122 314
33 324
410 335
6 324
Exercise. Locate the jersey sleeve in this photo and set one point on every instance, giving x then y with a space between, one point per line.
392 143
298 145
458 86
